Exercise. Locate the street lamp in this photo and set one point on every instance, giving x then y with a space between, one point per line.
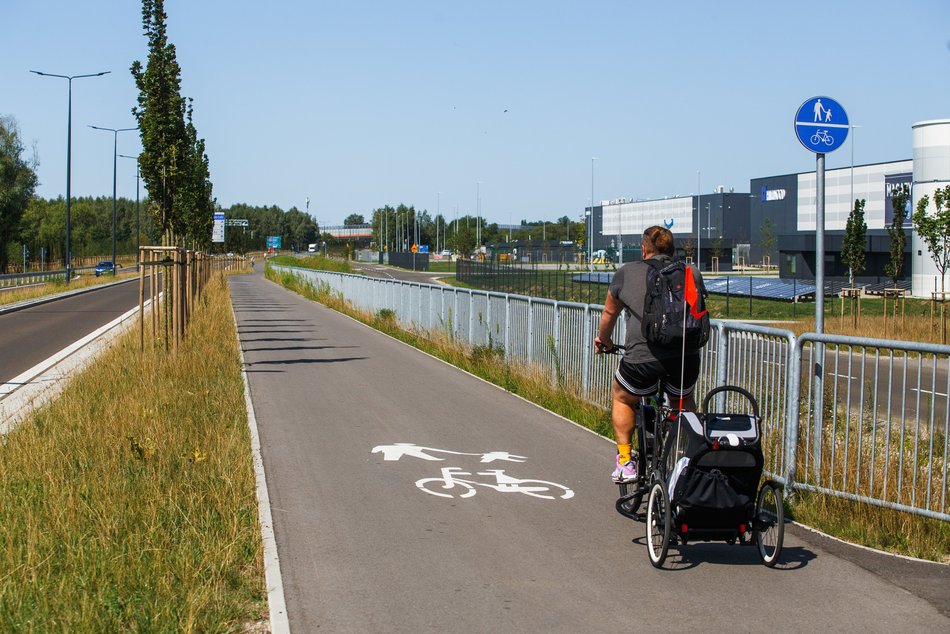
590 230
699 211
137 232
69 152
115 153
851 201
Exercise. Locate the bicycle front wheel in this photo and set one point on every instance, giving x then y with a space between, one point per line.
446 488
658 524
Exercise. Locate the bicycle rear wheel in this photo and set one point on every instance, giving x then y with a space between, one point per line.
768 525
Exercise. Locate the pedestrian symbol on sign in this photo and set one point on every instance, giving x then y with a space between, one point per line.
815 121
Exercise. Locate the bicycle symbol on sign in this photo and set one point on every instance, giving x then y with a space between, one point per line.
451 484
822 136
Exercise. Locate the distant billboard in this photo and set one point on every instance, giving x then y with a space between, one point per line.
217 229
890 182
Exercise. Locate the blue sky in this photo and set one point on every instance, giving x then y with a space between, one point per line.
359 104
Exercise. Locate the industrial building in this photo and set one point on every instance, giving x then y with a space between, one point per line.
774 221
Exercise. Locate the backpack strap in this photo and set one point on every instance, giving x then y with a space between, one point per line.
658 266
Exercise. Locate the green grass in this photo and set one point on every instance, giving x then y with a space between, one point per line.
314 262
129 503
879 528
441 267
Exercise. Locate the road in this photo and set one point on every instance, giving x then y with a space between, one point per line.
33 334
395 273
363 548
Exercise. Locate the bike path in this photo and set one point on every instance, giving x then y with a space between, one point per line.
363 549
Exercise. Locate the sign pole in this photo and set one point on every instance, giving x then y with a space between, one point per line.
821 125
819 310
820 242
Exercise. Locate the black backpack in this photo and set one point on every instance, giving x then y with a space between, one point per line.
665 308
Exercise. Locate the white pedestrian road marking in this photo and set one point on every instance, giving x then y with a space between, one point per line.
400 449
452 485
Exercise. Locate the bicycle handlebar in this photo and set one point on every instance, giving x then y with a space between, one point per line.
616 349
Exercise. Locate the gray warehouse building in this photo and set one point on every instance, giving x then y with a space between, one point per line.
775 220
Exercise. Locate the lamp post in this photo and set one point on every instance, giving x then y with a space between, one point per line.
115 153
137 232
851 201
590 222
478 217
699 211
69 153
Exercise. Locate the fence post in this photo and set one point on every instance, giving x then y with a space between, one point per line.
586 346
530 330
794 377
471 319
508 325
722 356
557 340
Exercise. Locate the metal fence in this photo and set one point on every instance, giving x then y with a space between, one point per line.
864 419
10 280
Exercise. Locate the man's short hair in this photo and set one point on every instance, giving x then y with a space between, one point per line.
658 240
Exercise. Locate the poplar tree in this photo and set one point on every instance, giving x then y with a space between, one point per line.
173 162
895 231
855 238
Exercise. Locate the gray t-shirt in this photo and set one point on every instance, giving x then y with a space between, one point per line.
629 286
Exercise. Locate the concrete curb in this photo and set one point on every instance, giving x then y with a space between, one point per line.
279 621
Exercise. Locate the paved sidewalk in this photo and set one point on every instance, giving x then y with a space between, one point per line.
367 543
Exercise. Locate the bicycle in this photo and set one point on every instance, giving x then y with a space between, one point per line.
503 484
822 136
653 418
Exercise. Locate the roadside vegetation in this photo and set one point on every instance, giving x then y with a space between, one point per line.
319 262
129 504
861 523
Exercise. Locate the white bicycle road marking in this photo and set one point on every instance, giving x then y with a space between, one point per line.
451 485
504 483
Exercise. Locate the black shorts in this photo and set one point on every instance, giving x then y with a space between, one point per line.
640 379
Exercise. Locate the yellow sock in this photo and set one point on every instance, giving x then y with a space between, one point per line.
624 451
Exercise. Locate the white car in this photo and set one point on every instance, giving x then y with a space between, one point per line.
446 253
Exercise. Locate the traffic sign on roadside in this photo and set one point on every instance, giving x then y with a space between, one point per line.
821 125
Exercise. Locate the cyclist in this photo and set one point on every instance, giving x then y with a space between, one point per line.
643 364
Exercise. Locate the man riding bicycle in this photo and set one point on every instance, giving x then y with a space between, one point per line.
644 364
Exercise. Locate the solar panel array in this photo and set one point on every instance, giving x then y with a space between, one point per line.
761 287
878 288
593 277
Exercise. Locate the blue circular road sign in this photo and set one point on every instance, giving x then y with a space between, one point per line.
821 125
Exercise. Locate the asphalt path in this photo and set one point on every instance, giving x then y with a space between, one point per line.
364 549
31 335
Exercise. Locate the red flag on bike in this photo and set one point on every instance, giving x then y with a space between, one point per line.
691 294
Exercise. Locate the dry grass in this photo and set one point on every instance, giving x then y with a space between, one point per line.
129 503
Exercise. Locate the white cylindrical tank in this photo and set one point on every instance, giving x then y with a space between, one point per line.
931 172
